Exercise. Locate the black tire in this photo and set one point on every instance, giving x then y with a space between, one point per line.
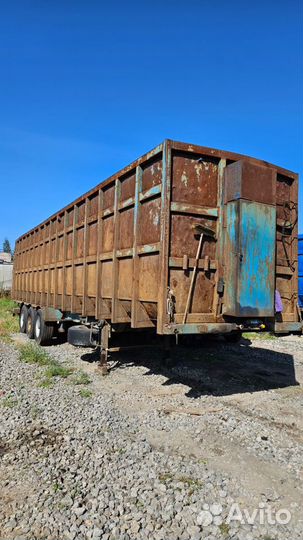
23 319
43 331
31 316
234 337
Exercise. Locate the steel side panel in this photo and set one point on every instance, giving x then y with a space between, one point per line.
251 279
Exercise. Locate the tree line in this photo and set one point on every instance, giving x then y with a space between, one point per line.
6 247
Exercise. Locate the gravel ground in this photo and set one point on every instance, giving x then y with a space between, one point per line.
209 447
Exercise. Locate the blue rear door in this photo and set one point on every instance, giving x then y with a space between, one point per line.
250 259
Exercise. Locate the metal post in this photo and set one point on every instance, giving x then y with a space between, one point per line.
105 334
193 279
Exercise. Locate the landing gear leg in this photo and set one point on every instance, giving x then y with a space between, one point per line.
103 348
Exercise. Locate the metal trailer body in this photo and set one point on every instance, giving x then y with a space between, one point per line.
300 253
185 240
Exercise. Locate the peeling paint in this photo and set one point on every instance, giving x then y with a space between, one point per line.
184 179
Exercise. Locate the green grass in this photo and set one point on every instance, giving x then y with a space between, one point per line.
258 335
9 402
8 323
57 487
85 393
81 378
35 412
192 482
165 477
57 370
46 383
224 529
32 354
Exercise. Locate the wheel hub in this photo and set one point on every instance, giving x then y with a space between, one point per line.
38 327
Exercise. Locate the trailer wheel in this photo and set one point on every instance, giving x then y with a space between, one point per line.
234 337
23 319
31 316
43 332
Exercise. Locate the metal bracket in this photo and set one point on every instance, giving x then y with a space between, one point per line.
51 314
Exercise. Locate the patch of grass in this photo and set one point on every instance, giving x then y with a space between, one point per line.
165 477
35 411
32 354
85 393
57 487
224 529
8 323
258 335
194 483
191 483
57 370
9 402
81 378
46 383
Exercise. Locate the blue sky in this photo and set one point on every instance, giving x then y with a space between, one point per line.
87 86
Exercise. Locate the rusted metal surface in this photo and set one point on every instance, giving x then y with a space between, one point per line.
203 328
283 328
244 180
51 314
115 252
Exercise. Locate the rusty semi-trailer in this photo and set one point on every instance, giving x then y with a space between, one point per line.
185 240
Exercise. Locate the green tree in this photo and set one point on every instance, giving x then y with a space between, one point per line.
6 246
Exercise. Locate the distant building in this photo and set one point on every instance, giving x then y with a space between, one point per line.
5 257
6 271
